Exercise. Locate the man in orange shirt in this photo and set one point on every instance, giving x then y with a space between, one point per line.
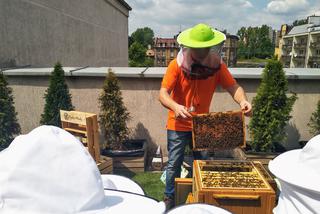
187 88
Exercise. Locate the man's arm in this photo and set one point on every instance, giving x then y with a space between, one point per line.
168 102
240 97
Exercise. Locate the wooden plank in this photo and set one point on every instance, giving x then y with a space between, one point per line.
90 137
128 159
128 164
183 186
108 170
76 131
73 117
123 169
96 144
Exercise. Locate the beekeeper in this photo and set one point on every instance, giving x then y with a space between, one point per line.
187 88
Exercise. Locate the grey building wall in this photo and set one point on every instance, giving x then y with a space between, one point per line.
74 32
140 95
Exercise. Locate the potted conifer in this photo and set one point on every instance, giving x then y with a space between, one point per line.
314 123
271 111
9 126
57 98
113 120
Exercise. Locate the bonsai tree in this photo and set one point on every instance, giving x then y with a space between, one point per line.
113 114
271 109
9 126
314 123
57 98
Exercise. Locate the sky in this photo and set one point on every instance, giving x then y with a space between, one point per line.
167 17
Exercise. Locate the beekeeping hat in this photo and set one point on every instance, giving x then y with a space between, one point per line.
49 171
300 167
200 36
198 208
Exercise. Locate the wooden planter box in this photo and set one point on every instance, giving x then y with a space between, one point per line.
105 165
132 160
237 186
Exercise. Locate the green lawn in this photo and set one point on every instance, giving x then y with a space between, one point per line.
149 181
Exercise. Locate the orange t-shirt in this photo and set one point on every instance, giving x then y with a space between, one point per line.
197 93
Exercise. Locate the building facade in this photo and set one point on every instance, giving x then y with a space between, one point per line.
229 50
300 48
165 50
38 33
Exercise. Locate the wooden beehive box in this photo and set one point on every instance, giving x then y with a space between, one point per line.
218 131
84 126
237 186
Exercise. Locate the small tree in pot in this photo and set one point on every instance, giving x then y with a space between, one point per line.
9 126
271 109
113 114
314 123
57 98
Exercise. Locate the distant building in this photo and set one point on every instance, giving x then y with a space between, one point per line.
38 33
284 30
165 50
301 46
229 50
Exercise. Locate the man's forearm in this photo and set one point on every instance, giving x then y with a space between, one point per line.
166 100
237 93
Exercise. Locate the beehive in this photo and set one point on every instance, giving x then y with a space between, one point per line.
218 131
237 186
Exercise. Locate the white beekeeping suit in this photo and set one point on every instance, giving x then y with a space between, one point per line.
298 173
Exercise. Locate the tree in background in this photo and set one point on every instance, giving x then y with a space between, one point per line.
314 123
138 45
144 36
57 98
271 109
113 113
300 22
9 126
254 42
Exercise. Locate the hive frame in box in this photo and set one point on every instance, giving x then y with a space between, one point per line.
195 126
235 199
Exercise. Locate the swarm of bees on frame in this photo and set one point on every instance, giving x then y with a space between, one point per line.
218 131
231 175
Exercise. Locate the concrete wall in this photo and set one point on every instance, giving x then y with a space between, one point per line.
76 33
140 95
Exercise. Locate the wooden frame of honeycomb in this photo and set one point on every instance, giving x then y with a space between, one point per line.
218 131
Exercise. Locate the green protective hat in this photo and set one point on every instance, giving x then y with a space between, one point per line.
200 36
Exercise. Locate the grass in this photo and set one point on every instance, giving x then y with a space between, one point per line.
149 181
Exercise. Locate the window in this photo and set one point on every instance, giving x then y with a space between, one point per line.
171 53
318 52
301 52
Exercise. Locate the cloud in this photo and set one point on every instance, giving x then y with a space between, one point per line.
287 6
168 17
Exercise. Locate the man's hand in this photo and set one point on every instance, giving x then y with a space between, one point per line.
246 108
181 111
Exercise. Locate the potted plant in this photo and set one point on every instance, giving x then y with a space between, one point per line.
57 98
113 120
9 126
314 123
271 111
